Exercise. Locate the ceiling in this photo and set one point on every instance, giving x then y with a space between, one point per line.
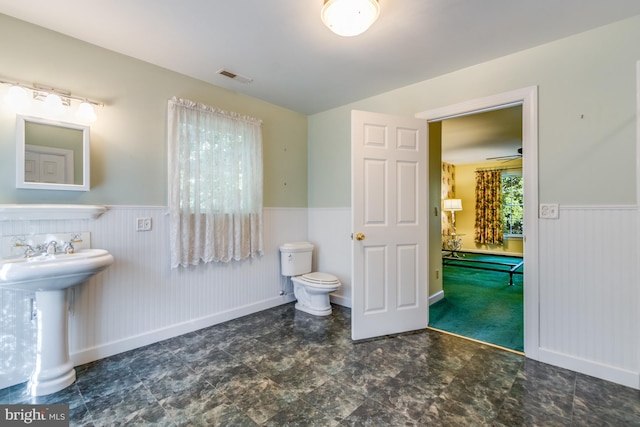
477 138
295 61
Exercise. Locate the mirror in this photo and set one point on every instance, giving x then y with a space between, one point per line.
51 155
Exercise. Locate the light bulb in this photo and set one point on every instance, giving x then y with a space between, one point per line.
17 98
53 104
86 113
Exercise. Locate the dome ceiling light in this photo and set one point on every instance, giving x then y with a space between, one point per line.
349 17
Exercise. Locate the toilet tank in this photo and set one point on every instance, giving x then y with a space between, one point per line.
295 258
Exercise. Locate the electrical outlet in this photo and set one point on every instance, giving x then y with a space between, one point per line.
437 273
143 224
549 210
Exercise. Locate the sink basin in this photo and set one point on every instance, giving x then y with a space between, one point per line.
49 276
52 272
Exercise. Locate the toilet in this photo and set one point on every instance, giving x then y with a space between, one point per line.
310 289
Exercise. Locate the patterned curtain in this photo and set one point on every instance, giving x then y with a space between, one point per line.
488 227
448 191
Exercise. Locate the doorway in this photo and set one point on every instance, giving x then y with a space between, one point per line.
527 99
482 282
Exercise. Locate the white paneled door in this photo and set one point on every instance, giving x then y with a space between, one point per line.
389 205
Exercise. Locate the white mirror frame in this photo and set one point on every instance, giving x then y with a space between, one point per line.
21 144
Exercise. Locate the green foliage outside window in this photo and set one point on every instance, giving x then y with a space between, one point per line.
512 204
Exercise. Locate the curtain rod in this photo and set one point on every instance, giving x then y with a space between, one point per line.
498 168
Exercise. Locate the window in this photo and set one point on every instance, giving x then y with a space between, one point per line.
512 204
215 184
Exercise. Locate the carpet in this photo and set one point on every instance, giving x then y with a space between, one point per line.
481 305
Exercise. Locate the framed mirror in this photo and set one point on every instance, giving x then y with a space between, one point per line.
51 155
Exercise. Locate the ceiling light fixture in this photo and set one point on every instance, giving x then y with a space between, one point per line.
349 17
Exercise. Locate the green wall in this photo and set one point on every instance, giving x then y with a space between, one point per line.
587 116
128 141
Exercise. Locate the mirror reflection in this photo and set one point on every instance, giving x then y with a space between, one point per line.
52 155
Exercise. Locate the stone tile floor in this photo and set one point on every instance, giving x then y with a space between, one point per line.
283 367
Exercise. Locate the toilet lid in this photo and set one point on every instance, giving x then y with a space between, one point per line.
320 278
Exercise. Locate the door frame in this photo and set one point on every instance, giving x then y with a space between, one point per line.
528 98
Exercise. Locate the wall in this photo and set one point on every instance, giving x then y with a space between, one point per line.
587 162
139 300
128 140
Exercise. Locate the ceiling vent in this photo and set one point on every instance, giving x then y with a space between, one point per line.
234 76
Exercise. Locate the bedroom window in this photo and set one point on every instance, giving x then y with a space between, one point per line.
512 204
215 184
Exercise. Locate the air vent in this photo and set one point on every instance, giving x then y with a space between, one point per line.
234 76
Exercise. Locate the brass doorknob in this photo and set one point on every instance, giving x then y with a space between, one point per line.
360 236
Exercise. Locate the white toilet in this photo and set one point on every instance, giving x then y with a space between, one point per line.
310 289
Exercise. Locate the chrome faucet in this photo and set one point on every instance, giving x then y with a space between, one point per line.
51 247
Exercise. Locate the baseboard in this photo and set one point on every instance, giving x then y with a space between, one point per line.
340 300
591 368
115 347
436 297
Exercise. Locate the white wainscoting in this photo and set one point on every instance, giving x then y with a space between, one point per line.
589 296
139 299
588 285
330 232
588 273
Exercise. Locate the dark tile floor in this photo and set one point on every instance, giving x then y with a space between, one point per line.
284 367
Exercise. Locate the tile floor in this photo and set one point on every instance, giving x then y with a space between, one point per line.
283 367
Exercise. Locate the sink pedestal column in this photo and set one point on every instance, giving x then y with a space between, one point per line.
54 370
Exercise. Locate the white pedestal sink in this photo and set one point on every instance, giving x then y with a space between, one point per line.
49 276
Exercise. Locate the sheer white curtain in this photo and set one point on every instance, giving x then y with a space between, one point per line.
215 184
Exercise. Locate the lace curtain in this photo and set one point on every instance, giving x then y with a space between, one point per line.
215 184
488 226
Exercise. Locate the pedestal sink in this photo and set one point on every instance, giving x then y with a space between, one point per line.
49 276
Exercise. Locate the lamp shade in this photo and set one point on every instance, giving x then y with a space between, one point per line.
86 113
53 104
452 204
349 17
17 98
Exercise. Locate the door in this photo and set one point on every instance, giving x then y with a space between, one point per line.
389 219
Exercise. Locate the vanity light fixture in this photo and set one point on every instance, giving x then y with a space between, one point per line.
349 17
55 100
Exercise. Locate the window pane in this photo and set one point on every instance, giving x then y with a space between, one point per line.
512 204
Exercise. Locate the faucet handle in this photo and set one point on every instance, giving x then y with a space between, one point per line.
75 238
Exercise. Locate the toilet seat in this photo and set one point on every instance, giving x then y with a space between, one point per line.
320 279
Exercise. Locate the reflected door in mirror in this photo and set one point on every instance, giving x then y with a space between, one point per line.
52 155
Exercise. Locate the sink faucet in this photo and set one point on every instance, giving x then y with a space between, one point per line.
51 247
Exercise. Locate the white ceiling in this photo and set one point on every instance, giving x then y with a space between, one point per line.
477 138
298 63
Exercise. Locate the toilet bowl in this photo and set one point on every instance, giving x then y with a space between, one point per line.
311 289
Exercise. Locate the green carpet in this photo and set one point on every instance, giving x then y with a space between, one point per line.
479 304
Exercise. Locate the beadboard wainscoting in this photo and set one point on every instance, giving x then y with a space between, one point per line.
140 299
589 296
330 232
